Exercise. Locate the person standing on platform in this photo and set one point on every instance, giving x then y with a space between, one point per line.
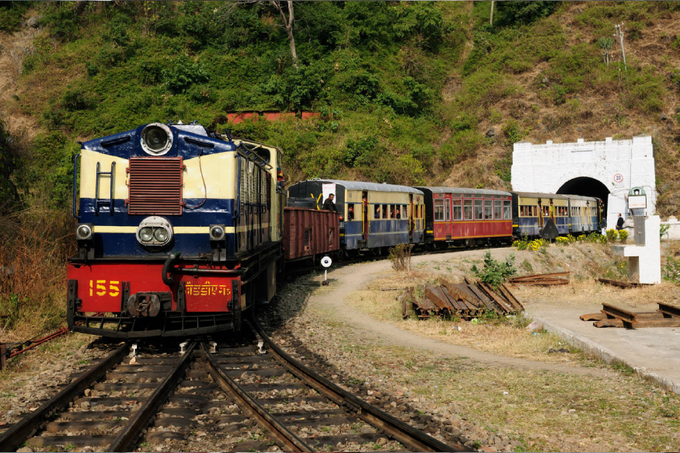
619 223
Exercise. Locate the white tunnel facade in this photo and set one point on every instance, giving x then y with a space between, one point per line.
617 164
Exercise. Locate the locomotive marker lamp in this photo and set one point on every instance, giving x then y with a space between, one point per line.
85 240
154 232
156 139
218 242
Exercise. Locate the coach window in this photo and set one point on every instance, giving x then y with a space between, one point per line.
457 209
507 210
498 209
438 210
377 212
479 209
386 210
447 206
308 237
488 209
467 209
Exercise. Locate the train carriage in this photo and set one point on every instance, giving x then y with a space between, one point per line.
467 216
549 215
373 215
584 214
179 231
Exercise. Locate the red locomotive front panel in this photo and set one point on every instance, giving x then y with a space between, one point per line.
107 287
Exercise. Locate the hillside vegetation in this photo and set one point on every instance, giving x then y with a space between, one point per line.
407 92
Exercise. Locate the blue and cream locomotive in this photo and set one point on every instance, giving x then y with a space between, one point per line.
179 231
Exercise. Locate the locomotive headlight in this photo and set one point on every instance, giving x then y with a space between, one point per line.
156 139
83 232
218 242
216 232
154 232
146 234
160 234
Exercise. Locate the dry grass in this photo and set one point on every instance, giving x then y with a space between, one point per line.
497 336
33 272
544 410
508 337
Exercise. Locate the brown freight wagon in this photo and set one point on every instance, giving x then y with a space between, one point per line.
309 233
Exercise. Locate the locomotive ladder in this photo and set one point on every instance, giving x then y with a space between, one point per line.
104 201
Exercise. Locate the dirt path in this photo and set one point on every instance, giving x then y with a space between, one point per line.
352 278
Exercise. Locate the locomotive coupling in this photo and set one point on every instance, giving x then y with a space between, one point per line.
144 304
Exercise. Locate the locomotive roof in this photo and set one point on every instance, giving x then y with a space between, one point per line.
460 190
559 196
359 185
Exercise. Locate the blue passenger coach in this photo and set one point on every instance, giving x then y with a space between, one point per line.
374 215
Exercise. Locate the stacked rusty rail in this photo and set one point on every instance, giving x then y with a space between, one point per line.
555 278
465 300
611 316
620 284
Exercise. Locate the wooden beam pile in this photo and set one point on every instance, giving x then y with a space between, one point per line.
611 316
556 278
465 300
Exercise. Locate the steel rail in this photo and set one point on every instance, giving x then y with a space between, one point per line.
129 434
404 433
282 434
17 434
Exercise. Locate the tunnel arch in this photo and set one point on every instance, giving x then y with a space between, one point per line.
590 187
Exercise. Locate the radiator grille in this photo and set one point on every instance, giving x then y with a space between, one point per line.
155 186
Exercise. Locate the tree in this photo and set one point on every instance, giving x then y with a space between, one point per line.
288 22
606 44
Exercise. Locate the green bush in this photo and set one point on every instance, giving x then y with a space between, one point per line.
495 272
611 235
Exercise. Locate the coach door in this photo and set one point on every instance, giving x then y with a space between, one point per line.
410 218
364 215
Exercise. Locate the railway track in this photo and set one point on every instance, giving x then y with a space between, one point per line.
236 397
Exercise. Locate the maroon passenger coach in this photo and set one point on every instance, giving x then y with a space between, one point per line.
467 216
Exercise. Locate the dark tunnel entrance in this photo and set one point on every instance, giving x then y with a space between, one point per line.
586 186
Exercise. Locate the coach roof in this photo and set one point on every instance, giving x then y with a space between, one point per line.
371 186
458 190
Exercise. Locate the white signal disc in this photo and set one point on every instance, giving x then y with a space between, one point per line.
326 261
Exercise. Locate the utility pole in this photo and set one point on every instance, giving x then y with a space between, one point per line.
491 16
619 34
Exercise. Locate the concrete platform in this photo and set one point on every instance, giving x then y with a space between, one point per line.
653 352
